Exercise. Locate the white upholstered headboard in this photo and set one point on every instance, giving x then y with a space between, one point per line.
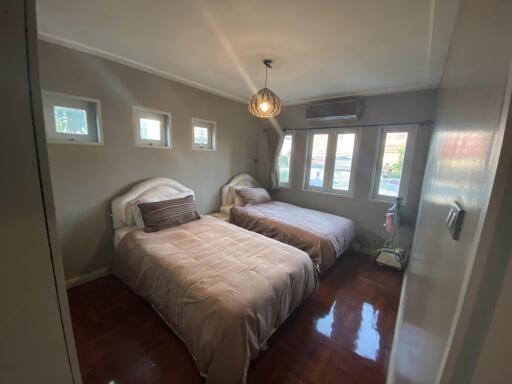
148 189
241 180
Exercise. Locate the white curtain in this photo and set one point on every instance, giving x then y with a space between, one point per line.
274 170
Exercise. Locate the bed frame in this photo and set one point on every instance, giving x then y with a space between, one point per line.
227 197
122 215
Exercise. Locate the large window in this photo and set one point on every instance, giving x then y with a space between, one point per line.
71 119
285 161
204 134
391 162
331 158
152 128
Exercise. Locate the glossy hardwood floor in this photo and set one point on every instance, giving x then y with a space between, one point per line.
342 334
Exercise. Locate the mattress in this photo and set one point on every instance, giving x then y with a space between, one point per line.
222 289
324 237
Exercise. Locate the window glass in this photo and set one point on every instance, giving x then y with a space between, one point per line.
150 129
392 163
343 161
284 160
318 156
70 120
201 135
330 160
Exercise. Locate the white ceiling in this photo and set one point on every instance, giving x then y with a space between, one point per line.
321 48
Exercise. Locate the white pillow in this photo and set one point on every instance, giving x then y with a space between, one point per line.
236 200
137 216
133 205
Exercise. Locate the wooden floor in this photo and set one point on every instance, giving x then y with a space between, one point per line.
342 334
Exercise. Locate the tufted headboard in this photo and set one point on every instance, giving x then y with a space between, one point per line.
156 189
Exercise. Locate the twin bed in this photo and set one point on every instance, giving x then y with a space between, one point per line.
222 289
324 237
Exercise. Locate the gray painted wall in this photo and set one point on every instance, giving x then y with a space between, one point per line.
480 351
452 286
367 214
33 343
85 178
493 362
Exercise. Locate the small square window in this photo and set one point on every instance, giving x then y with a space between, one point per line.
152 128
203 134
71 119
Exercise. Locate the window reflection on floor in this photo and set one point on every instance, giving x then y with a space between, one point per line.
324 324
368 338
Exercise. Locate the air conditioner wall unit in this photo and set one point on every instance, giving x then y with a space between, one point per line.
335 109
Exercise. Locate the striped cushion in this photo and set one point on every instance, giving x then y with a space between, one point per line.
254 195
168 213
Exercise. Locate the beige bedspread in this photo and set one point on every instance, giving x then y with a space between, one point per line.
222 289
324 237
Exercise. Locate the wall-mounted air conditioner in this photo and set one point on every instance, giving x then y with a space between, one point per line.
335 109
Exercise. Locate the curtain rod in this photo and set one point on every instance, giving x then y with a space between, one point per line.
421 123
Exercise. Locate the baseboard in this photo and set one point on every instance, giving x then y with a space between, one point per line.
82 279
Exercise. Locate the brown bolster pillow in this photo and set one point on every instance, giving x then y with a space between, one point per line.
168 213
254 195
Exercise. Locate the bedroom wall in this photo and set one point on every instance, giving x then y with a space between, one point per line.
85 178
35 343
452 287
366 213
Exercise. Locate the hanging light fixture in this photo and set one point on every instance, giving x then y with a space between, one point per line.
265 103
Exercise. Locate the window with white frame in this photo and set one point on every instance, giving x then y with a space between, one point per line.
331 159
152 128
285 161
203 134
343 160
71 119
392 162
317 156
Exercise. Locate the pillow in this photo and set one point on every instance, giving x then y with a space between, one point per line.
164 214
255 195
135 211
137 216
232 190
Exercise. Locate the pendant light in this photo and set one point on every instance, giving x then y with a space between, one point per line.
265 103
